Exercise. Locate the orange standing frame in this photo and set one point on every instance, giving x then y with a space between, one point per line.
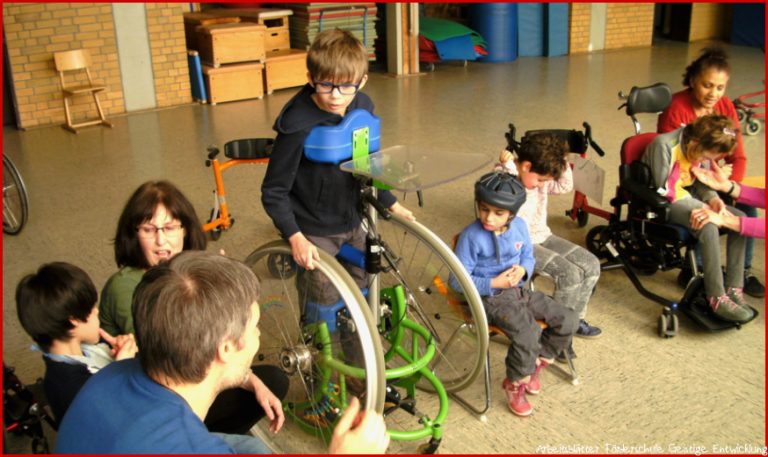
251 150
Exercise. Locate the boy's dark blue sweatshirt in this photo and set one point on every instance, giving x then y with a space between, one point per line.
300 195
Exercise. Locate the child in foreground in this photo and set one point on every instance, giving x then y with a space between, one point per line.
497 253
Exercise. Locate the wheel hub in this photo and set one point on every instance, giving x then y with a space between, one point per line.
296 359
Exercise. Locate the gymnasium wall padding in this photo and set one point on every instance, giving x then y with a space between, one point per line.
557 29
497 23
530 29
748 25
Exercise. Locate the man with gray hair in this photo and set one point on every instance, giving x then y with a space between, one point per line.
196 327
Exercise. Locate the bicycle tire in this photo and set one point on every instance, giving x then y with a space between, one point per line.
285 342
421 256
15 200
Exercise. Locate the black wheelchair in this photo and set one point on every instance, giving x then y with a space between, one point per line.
25 411
643 241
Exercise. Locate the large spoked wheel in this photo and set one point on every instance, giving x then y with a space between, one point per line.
423 264
15 203
325 366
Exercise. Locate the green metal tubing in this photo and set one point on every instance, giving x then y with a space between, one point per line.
431 428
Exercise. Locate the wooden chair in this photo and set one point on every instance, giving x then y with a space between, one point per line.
71 65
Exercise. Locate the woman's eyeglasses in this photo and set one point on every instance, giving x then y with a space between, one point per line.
149 231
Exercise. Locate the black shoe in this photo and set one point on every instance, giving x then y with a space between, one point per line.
561 356
753 287
684 277
587 331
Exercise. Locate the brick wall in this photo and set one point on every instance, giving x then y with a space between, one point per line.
580 21
165 22
710 21
34 31
628 25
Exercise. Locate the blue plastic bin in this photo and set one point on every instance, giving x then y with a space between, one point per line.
497 23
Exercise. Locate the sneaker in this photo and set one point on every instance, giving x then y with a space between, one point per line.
561 356
727 309
737 295
533 386
587 331
516 400
752 286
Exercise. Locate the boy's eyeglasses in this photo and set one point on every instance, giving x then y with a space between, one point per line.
325 87
149 231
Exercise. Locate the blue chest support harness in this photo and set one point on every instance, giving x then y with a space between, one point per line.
357 135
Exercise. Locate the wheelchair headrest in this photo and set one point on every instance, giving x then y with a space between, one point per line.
334 144
633 147
651 99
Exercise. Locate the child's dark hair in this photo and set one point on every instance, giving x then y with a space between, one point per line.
337 56
709 58
713 132
546 153
48 299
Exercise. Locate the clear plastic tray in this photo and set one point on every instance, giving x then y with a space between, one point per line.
410 168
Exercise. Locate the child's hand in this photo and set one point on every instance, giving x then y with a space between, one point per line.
123 346
400 210
509 278
505 156
304 253
515 274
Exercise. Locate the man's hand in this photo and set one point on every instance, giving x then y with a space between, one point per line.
268 401
304 253
359 432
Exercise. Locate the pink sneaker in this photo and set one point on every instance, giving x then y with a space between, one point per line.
516 400
725 308
533 386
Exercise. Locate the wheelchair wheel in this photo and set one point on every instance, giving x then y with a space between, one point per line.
741 114
325 366
753 127
423 263
15 203
596 239
281 266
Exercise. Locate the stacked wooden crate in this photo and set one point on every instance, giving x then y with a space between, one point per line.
284 67
233 57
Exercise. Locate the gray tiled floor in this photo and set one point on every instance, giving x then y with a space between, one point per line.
637 390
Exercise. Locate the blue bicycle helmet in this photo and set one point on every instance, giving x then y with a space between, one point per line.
500 189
